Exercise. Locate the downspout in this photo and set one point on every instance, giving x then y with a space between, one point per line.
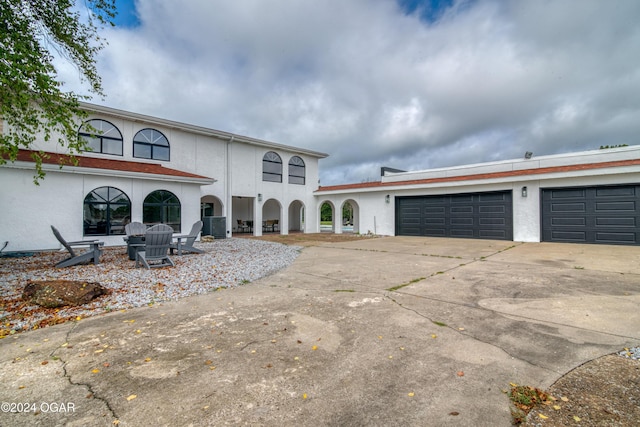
229 196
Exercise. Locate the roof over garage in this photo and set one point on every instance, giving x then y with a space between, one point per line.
506 170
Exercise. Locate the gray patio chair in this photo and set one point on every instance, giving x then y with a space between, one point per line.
134 229
242 226
185 242
92 254
155 250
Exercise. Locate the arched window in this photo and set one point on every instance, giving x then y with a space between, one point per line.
151 144
162 207
271 167
101 137
296 170
106 211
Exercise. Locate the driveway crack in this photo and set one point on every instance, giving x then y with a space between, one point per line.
514 356
65 373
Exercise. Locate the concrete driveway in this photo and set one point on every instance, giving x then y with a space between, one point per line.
387 331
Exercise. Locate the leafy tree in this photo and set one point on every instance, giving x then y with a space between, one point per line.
606 147
347 213
31 97
326 212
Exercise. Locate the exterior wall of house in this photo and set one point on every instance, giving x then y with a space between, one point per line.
378 217
235 162
29 211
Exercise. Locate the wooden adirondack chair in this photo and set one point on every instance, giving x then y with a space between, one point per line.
155 251
185 242
92 254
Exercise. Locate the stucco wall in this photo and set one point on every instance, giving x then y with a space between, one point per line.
235 162
29 210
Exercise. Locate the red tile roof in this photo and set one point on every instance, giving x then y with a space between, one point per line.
492 175
109 164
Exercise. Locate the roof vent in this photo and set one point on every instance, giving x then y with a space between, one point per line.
385 169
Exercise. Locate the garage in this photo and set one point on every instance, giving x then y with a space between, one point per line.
599 214
487 215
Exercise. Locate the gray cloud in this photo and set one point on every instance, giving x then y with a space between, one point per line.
372 86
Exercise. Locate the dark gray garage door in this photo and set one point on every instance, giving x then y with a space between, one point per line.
470 215
605 214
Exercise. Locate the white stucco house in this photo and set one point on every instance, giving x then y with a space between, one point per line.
153 170
584 197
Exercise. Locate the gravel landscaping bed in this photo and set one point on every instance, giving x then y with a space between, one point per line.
226 263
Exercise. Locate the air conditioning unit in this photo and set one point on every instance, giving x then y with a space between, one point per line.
215 226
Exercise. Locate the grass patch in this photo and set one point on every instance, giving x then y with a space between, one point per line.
524 398
443 256
395 288
439 323
344 290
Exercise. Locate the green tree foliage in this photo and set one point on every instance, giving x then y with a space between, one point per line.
606 147
326 212
31 97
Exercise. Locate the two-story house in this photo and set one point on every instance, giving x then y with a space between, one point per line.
152 170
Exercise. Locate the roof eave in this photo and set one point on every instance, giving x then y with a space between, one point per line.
470 180
111 173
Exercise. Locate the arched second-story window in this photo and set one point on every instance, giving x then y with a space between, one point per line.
272 167
162 207
106 212
151 144
296 170
101 137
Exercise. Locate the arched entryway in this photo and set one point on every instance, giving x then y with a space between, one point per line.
271 216
211 206
296 216
350 216
327 217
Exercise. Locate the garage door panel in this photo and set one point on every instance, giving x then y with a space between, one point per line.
616 206
492 197
434 200
468 215
610 237
461 199
565 193
462 233
573 236
602 214
430 221
615 191
434 231
498 209
461 222
435 210
495 234
492 221
412 221
461 210
616 222
568 222
413 211
569 207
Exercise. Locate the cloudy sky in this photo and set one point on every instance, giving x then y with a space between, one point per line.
401 83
